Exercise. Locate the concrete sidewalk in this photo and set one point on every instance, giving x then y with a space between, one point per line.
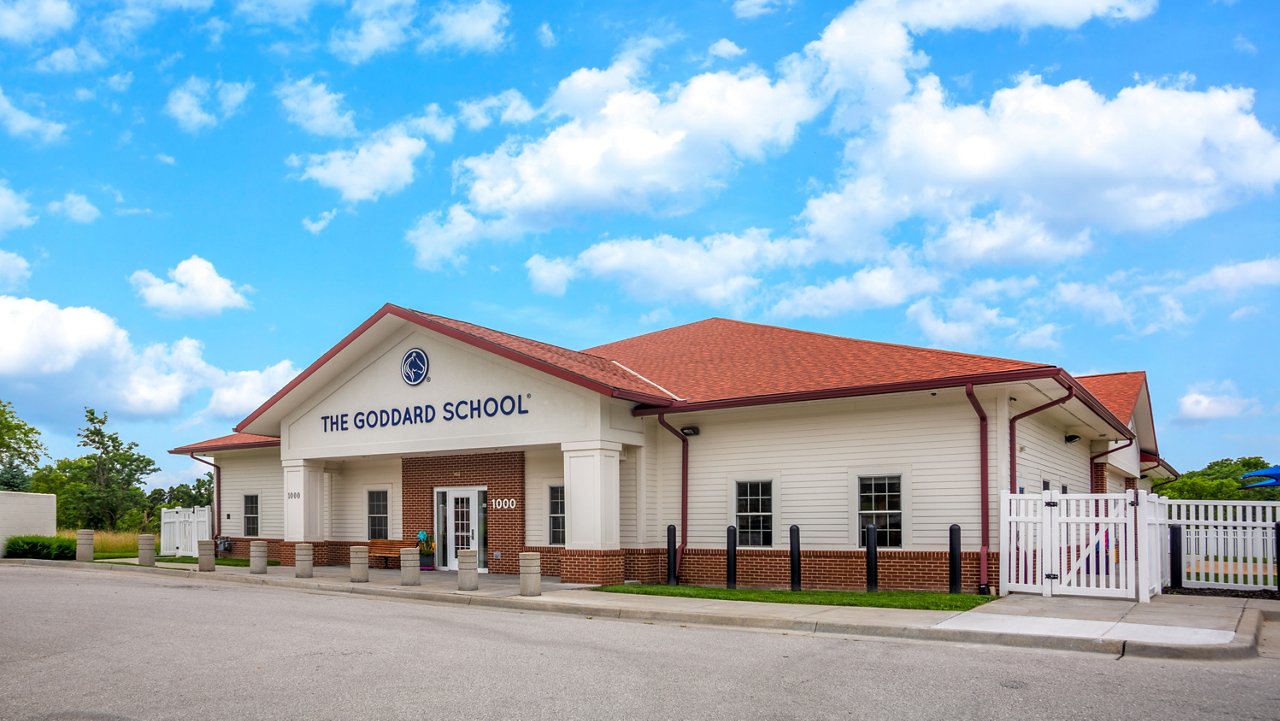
1168 627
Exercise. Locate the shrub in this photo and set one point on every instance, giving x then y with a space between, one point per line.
52 548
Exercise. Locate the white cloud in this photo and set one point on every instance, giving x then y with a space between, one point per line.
82 57
275 12
20 124
546 36
311 106
132 17
374 27
624 148
433 123
1043 336
1005 239
509 107
438 238
194 289
72 356
383 164
1233 278
14 270
719 270
1055 161
216 27
76 207
28 21
315 227
1097 302
966 323
725 48
14 210
120 82
881 286
1214 401
747 9
468 26
166 159
1242 45
1244 312
550 275
186 103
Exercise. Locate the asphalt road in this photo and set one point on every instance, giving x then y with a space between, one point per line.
85 645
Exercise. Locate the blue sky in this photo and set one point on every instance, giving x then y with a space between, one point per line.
199 198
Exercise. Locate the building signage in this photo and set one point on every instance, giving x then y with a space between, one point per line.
414 366
460 410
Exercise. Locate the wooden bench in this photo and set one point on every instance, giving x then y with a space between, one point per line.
387 549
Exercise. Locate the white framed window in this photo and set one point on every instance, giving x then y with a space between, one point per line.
555 516
250 515
379 516
880 502
753 512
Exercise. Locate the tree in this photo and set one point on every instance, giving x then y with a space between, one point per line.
118 472
13 476
19 441
1220 481
70 479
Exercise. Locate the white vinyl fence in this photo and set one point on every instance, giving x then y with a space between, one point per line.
1117 544
180 528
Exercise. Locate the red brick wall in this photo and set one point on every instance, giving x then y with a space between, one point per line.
1098 478
550 558
501 473
590 566
646 565
838 570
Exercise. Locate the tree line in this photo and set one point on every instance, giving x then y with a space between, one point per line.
102 489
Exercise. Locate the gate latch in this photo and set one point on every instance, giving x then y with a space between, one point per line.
1051 504
1051 576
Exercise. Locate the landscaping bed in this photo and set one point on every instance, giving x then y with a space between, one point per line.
1265 594
917 600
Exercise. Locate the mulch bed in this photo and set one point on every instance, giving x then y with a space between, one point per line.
1271 595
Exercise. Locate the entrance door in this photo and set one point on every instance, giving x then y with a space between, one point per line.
463 524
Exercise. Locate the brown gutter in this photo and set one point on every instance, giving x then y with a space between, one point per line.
684 489
1094 458
984 581
1013 430
217 499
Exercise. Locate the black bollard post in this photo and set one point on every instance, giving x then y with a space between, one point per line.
795 558
671 555
1176 566
954 558
731 558
873 561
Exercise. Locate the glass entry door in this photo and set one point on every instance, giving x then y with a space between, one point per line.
461 523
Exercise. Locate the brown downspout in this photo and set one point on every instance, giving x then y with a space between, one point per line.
217 499
684 488
984 474
1013 431
1094 458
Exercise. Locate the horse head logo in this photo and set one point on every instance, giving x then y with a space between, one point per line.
414 365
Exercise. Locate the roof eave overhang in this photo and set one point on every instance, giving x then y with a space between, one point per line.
209 450
1030 374
486 345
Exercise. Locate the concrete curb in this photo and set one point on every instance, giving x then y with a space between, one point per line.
1243 645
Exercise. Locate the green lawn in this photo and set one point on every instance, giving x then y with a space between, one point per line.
920 600
109 555
241 562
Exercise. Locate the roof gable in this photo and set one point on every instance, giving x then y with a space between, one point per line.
1119 392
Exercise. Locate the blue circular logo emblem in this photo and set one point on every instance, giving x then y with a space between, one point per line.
414 365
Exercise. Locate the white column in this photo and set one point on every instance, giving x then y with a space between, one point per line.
303 500
592 512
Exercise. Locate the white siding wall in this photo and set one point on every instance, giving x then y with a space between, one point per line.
1115 482
350 498
813 452
1044 456
27 514
627 498
247 473
543 468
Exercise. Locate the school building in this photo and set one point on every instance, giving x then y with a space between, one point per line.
487 440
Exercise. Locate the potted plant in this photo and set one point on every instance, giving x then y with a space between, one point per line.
426 552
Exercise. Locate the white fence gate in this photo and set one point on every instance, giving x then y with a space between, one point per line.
1117 545
180 528
1082 544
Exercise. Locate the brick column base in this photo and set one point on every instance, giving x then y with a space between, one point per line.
590 566
1098 478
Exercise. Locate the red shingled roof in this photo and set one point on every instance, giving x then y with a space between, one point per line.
1118 391
719 359
235 441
